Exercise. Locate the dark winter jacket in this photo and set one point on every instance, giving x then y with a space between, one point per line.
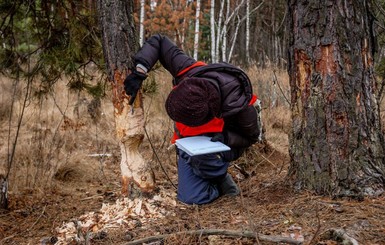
241 127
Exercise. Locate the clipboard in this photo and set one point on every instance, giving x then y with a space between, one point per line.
198 145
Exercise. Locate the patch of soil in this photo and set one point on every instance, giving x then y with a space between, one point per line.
267 206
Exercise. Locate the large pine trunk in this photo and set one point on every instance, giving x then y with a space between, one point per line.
336 144
119 45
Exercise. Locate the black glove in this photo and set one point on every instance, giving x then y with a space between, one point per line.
218 137
133 83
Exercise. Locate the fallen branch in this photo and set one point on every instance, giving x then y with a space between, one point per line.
339 235
247 234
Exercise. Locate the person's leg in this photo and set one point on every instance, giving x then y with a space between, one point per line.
193 189
227 186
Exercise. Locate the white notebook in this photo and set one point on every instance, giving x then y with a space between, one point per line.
198 145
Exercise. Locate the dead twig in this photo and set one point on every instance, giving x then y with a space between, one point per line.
92 197
232 233
318 228
283 94
38 219
265 159
158 159
242 170
251 222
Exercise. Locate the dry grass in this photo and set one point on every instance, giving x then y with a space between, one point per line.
56 135
272 88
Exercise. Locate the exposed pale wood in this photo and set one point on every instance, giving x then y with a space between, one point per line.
119 46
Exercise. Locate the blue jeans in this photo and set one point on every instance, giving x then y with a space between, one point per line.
197 176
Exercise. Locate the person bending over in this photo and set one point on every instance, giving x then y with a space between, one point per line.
215 100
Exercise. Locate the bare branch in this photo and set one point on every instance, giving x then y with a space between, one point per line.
276 81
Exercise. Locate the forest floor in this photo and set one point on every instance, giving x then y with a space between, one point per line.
267 208
81 201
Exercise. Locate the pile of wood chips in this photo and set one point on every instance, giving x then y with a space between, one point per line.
124 213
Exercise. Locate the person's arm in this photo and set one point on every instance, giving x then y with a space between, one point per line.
159 47
243 129
156 48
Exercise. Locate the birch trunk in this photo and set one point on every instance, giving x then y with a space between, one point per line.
224 32
219 31
234 39
196 35
141 22
212 31
119 45
336 144
247 31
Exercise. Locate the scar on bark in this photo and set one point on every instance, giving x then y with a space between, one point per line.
303 75
366 56
326 64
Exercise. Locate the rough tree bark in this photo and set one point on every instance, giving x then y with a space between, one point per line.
336 144
119 45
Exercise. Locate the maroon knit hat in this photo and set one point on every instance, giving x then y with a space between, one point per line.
193 102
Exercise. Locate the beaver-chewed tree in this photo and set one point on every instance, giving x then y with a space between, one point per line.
119 44
336 144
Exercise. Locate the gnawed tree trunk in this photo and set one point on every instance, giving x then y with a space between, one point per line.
336 145
119 44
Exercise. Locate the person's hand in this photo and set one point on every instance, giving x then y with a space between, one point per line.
218 137
133 83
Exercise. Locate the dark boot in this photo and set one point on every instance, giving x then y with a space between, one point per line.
228 187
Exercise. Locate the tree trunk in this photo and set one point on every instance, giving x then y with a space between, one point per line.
224 31
247 44
196 34
336 144
3 192
212 31
234 39
119 45
219 32
141 22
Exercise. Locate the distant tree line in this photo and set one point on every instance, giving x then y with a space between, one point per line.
63 37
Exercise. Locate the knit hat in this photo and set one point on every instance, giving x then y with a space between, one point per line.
193 102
